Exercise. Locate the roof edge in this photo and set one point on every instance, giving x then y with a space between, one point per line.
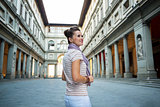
42 11
85 8
61 24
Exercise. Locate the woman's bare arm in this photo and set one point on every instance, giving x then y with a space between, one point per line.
63 76
76 72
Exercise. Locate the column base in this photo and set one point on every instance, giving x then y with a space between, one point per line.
9 76
127 75
23 76
103 76
1 77
109 75
99 75
147 75
94 75
118 75
18 76
28 76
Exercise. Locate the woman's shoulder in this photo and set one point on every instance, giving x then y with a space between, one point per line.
74 51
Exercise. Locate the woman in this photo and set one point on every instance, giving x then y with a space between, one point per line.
75 71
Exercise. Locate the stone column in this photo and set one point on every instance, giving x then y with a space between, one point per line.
55 71
144 51
117 74
46 70
31 67
94 65
24 66
41 75
19 65
98 62
102 64
109 63
11 62
38 68
28 67
127 73
43 70
1 58
89 65
35 68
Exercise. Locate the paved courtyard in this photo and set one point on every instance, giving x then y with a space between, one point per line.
50 93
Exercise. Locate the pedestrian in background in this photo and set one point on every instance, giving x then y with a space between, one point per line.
75 71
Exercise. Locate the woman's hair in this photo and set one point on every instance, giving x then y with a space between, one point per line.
70 32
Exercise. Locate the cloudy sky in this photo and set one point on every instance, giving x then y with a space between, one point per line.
63 11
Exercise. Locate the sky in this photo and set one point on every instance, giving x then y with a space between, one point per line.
63 11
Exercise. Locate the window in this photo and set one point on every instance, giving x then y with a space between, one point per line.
2 12
116 16
51 45
126 5
101 12
29 23
94 21
24 36
21 9
109 24
28 40
10 21
97 17
25 18
63 45
20 30
102 32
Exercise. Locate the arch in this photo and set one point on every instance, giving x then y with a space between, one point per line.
60 65
63 45
51 45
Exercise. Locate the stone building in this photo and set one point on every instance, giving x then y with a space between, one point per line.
22 38
56 45
122 38
30 47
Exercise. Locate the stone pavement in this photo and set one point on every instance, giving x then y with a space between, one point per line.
103 93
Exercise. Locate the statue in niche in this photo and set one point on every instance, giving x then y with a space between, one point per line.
140 47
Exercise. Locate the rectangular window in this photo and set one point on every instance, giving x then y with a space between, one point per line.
94 21
28 40
20 31
21 9
116 16
25 16
29 23
10 21
109 24
126 5
2 12
101 12
24 36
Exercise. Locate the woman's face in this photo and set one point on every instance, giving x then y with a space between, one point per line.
77 38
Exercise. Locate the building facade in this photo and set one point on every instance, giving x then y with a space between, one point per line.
22 39
30 47
121 38
56 45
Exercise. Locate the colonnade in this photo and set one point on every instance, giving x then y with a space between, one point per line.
19 64
137 50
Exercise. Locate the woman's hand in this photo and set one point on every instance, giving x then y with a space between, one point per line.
91 79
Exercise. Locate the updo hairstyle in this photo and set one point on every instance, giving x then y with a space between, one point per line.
70 32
